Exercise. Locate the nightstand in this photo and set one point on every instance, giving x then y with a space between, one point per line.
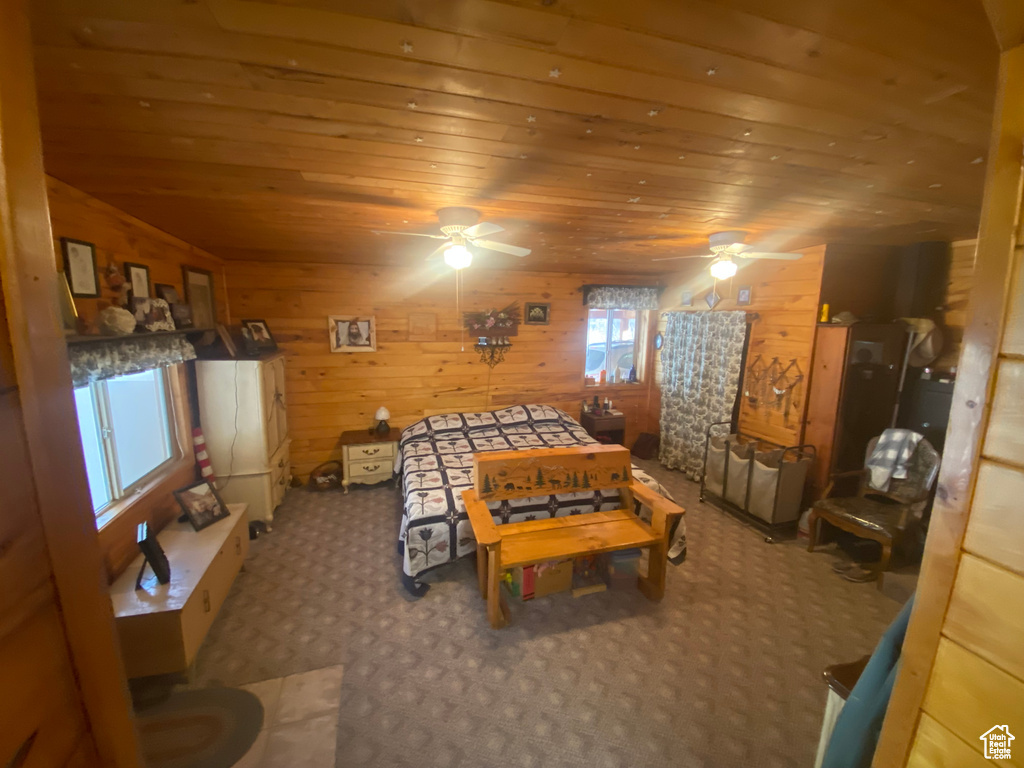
368 457
611 427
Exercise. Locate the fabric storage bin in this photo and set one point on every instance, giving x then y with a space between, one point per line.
714 466
737 473
777 487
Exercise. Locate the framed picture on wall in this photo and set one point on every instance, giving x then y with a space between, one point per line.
167 292
743 295
199 295
686 300
537 314
257 338
137 276
347 333
80 267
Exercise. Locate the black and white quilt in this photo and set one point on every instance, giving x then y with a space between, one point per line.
435 460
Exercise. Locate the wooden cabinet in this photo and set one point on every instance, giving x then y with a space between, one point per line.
161 626
610 426
244 413
368 457
854 382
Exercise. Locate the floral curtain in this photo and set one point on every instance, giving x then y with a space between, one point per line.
121 355
701 362
621 296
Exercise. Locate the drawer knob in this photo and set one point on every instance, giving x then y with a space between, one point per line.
206 600
368 452
238 545
374 468
280 463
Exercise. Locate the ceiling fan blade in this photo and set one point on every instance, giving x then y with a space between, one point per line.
407 234
688 256
491 245
436 254
483 229
764 255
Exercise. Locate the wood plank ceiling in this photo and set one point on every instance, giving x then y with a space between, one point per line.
600 133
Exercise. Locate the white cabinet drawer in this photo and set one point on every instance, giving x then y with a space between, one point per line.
367 467
369 451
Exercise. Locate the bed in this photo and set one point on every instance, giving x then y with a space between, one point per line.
435 464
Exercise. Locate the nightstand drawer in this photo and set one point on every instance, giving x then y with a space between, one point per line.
369 451
367 467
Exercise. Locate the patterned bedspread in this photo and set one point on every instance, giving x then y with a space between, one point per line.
435 460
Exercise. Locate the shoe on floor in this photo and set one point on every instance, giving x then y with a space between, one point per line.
842 566
859 575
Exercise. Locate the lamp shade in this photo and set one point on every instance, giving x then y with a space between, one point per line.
382 414
458 257
723 269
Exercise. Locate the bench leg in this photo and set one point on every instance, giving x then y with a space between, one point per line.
494 609
812 530
481 569
653 585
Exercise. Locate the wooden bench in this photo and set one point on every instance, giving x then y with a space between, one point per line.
524 474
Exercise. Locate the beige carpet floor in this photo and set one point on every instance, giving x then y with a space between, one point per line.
726 671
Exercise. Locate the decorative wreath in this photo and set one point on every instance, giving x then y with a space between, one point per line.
326 476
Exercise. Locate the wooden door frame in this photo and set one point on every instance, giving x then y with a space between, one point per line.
969 415
29 276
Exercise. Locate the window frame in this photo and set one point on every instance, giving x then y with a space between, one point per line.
641 337
118 493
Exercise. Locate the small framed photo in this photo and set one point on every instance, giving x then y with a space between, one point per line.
712 299
200 296
152 314
167 292
686 300
743 295
537 314
80 267
202 504
347 333
256 337
181 314
153 555
137 276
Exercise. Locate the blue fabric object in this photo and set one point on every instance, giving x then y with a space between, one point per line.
856 733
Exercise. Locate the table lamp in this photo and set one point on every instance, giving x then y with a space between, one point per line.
382 415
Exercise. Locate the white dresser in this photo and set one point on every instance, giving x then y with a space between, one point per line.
244 414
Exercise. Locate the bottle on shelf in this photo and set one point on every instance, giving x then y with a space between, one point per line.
604 376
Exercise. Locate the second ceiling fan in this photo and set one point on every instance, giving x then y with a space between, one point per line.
727 246
462 228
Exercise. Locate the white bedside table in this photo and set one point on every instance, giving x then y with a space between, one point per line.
368 457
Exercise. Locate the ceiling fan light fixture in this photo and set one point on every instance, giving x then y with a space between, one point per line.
458 257
723 269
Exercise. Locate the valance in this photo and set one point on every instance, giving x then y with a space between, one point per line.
121 355
621 296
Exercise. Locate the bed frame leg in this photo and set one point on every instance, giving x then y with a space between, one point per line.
494 613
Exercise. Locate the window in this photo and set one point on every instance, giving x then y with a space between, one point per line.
126 430
613 342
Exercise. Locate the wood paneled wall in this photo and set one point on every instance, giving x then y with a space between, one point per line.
962 663
784 296
958 291
118 238
63 694
332 392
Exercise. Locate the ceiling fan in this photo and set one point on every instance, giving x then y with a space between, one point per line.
462 228
726 246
